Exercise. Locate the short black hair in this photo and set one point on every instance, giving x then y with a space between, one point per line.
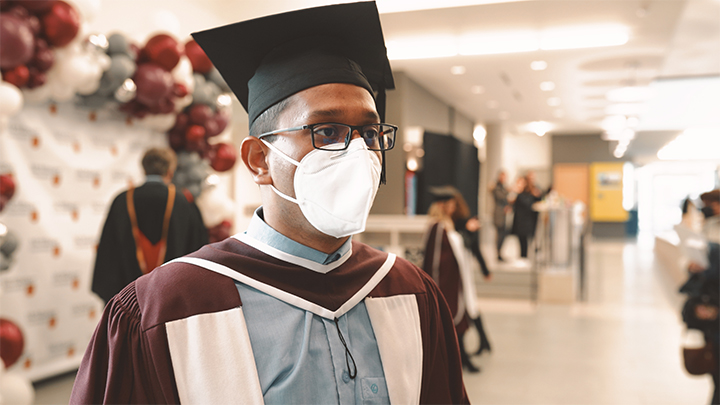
267 121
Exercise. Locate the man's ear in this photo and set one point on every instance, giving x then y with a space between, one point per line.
254 155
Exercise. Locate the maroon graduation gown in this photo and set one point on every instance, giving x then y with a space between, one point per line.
129 359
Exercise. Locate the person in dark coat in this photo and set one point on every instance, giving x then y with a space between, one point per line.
500 210
525 218
145 227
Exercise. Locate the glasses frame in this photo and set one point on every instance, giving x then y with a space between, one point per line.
353 128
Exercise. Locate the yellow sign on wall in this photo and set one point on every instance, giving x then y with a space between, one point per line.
606 192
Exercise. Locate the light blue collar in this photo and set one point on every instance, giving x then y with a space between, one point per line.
264 233
154 178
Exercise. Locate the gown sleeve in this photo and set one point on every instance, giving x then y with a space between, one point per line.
116 367
442 370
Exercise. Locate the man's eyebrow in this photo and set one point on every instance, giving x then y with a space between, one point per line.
332 113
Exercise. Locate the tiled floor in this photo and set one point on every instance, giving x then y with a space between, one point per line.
621 346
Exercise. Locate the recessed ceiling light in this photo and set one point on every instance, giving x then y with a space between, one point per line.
540 128
479 133
538 65
547 86
477 89
458 70
492 104
553 101
503 115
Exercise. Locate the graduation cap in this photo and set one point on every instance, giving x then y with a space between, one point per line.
443 193
268 59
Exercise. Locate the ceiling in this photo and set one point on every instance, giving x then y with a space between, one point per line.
667 39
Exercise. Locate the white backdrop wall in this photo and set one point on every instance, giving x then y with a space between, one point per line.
67 170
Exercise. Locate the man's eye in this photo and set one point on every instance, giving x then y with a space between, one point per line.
327 131
370 133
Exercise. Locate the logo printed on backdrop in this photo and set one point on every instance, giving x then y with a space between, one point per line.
91 176
45 173
20 208
61 349
84 242
45 245
47 317
23 133
20 284
68 208
86 310
68 278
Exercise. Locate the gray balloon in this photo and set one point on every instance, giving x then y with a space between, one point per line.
121 67
207 94
120 44
9 243
214 76
94 101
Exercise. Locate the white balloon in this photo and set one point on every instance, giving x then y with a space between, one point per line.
158 122
11 99
183 74
15 389
215 205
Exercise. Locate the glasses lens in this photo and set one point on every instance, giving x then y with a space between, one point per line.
379 136
327 136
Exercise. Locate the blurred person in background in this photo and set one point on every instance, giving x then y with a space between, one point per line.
525 218
500 210
451 255
145 227
700 310
711 211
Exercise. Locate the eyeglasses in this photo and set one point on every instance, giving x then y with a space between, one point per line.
334 136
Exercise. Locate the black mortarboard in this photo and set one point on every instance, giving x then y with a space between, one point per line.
268 59
443 193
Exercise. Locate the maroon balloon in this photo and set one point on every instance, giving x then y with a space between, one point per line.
61 24
17 42
43 59
211 128
194 133
181 123
7 185
176 139
37 78
220 231
223 157
200 113
180 90
223 119
153 84
18 76
164 50
11 342
37 6
198 59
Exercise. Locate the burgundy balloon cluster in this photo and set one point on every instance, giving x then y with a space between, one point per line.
202 120
29 29
156 88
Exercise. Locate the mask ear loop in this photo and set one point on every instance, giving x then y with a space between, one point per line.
289 159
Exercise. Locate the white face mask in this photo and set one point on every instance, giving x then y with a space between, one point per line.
335 189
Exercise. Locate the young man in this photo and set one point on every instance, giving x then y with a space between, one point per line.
145 227
291 311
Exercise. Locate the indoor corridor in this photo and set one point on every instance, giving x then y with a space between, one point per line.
621 346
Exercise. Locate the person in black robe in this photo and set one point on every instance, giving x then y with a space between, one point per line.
525 218
130 248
